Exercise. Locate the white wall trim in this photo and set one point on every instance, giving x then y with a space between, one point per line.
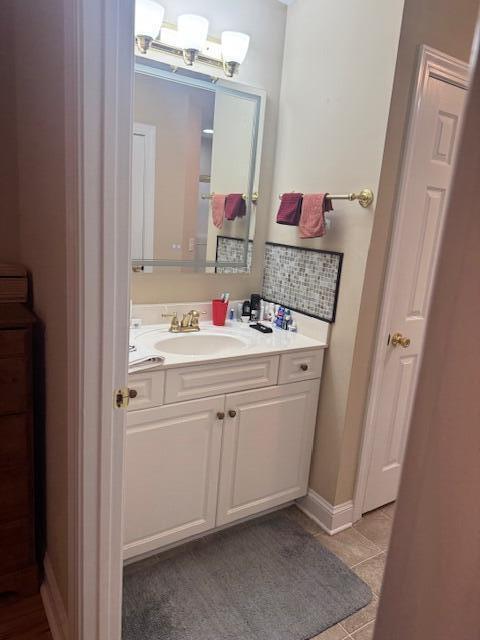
432 63
332 518
53 603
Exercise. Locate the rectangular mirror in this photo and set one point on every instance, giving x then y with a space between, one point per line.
195 170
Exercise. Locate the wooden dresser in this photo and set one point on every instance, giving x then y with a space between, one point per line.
18 566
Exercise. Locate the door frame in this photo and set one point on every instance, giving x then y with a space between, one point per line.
436 64
98 74
149 132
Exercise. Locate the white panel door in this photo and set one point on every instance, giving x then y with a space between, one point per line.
267 445
409 283
172 462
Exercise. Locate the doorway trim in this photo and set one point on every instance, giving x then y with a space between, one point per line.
436 64
98 73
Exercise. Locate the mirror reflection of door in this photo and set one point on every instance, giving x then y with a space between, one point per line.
192 139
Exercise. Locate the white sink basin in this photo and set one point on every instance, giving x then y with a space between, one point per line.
198 344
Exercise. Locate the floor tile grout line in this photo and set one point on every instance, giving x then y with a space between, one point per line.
367 559
366 538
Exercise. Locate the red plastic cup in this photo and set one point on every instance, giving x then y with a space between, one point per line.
219 312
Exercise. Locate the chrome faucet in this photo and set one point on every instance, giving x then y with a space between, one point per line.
188 323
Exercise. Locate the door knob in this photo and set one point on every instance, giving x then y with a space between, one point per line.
232 413
220 415
132 393
398 339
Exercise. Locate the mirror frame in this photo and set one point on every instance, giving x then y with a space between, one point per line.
213 84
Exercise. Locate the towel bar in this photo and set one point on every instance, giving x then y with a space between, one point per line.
209 196
365 197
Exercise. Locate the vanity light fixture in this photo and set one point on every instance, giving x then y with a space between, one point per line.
148 22
234 50
193 33
189 40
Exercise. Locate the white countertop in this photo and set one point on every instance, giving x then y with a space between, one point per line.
251 342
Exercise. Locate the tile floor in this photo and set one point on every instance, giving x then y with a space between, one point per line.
362 548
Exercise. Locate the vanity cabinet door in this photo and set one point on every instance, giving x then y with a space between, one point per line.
267 445
172 463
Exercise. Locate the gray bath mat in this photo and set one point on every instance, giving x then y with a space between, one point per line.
265 580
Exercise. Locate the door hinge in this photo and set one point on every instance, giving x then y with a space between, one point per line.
122 397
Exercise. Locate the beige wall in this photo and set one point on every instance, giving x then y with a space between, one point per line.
8 155
447 26
334 109
40 120
265 22
432 580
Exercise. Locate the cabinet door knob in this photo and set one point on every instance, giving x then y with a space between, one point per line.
220 415
132 393
304 367
232 413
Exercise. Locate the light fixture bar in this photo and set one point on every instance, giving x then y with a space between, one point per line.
157 45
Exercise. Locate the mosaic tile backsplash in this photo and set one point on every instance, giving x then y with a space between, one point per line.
231 250
303 280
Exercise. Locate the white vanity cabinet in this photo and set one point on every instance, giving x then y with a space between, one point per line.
198 464
172 460
267 444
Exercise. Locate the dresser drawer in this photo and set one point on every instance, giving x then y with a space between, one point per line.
300 365
16 543
14 439
187 383
14 385
15 493
14 342
149 387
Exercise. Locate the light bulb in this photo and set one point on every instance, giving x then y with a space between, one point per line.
234 46
148 18
192 31
148 22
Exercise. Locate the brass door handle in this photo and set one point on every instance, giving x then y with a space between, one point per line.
132 393
398 339
220 415
232 413
304 367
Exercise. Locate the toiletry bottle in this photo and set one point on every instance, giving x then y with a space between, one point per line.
246 308
287 318
280 316
255 307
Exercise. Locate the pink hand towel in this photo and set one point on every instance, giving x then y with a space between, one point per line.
235 206
218 209
290 209
312 219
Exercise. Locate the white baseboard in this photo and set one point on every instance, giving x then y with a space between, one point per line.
332 518
53 603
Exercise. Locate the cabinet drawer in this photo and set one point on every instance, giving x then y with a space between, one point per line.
14 436
201 381
15 493
14 385
149 387
301 365
14 342
16 542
